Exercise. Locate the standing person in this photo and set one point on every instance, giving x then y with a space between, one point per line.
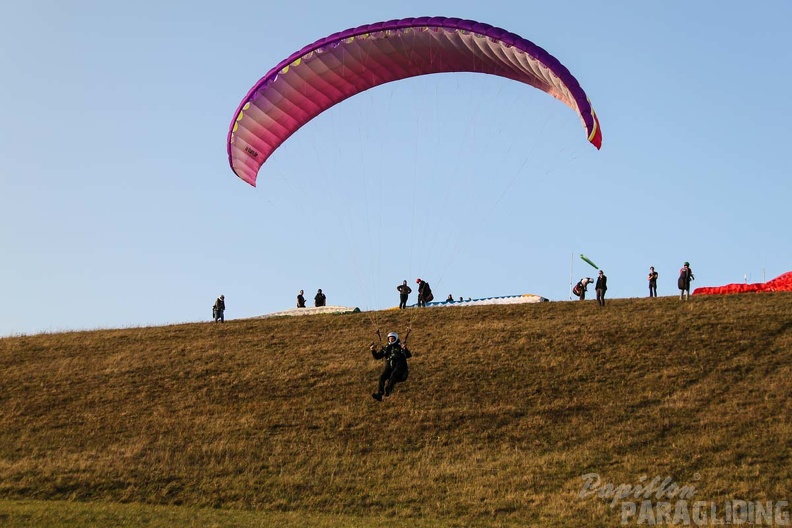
601 286
300 300
219 309
652 282
396 354
685 276
320 299
424 292
404 292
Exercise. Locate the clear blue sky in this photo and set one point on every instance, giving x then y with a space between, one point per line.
118 208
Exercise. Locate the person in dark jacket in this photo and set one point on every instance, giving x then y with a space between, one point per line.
395 354
300 300
320 299
685 276
404 292
218 310
424 292
652 282
601 286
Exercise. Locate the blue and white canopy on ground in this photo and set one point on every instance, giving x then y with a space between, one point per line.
506 299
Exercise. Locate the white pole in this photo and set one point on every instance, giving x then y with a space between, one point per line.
571 274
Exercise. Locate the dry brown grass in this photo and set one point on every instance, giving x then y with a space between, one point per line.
505 409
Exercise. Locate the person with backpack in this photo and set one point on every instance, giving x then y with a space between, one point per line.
685 276
404 292
218 309
424 292
581 287
396 355
320 298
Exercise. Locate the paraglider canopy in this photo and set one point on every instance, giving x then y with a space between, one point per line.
341 65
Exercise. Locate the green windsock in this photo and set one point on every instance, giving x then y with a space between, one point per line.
585 259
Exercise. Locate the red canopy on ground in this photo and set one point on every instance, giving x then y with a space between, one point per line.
780 283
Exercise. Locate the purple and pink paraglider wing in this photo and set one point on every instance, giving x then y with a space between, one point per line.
343 64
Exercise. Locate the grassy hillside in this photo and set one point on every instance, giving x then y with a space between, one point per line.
505 409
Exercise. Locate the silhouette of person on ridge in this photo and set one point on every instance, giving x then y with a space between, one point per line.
601 286
683 283
396 354
320 299
581 287
404 292
424 292
300 300
652 282
218 310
